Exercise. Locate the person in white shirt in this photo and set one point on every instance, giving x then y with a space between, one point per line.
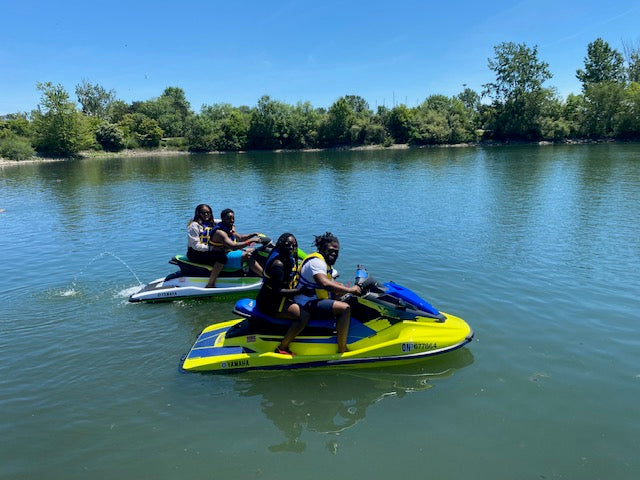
198 235
318 288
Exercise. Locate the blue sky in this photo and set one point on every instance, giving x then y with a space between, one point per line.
316 51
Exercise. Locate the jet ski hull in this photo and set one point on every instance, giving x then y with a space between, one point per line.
179 287
235 281
239 345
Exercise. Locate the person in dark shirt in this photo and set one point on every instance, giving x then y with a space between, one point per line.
225 239
275 295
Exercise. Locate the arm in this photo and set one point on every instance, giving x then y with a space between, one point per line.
335 287
221 237
249 237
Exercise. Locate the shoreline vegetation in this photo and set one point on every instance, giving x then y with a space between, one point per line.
515 108
133 153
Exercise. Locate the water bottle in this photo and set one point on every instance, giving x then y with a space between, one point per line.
361 274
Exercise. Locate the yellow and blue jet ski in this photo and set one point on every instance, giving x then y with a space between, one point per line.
389 324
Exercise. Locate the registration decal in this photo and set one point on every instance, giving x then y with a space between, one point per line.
410 347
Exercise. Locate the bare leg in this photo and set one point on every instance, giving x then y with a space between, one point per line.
301 318
342 311
215 271
253 264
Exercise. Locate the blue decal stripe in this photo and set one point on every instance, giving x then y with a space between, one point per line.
324 340
327 340
208 338
205 342
213 352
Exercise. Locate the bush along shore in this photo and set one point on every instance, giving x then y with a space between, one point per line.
148 152
516 107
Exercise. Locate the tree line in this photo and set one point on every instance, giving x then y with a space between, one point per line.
516 106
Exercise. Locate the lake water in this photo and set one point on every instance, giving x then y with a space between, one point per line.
538 248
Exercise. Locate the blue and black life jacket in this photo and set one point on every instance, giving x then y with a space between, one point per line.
227 230
290 266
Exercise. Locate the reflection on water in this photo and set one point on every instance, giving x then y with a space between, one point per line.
331 401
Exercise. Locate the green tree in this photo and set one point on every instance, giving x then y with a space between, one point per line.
117 110
17 123
176 110
440 119
399 123
574 112
171 110
336 127
223 126
367 131
202 134
348 122
429 127
633 69
110 137
632 58
358 105
94 99
462 122
235 130
603 82
382 115
487 115
305 124
59 128
14 147
604 102
518 91
553 125
628 126
270 125
602 64
518 72
470 99
15 137
472 103
141 130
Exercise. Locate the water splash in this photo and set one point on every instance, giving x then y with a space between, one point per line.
127 292
71 292
75 289
99 256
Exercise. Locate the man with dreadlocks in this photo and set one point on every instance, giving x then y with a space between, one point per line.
317 288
